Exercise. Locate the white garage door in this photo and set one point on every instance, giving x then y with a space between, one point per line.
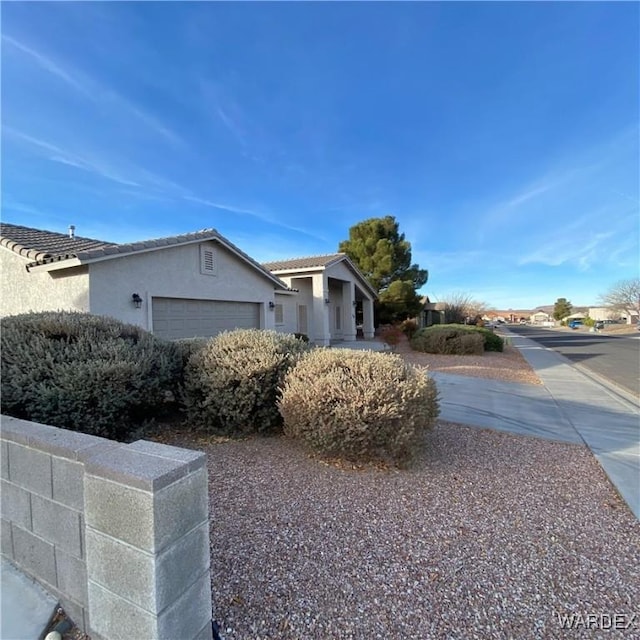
175 318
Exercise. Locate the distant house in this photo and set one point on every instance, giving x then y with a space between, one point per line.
628 316
195 284
603 313
539 317
432 313
579 315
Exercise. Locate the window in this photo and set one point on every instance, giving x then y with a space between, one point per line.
338 319
207 262
279 313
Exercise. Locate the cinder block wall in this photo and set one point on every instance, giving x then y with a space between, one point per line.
118 533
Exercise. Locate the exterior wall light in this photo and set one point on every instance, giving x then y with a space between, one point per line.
272 305
326 300
355 303
137 300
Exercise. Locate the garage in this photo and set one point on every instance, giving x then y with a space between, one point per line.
175 318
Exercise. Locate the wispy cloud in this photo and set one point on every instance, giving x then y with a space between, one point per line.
62 156
48 65
528 195
272 220
578 245
226 207
93 90
232 127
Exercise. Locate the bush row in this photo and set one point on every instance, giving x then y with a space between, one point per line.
456 339
100 376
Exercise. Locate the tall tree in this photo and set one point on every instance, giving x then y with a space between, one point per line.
383 255
623 296
562 308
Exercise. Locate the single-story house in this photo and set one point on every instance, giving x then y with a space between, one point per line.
333 297
579 315
432 313
195 284
539 317
603 313
627 316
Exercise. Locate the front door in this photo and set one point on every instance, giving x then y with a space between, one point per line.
337 323
303 326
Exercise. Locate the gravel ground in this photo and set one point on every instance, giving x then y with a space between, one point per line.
508 366
488 535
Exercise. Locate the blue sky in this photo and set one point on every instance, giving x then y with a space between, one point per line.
503 136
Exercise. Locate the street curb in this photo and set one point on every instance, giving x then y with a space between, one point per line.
618 392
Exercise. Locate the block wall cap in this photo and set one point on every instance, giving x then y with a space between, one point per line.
136 469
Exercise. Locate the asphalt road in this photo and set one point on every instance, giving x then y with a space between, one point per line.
616 358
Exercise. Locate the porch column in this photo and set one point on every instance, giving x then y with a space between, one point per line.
321 331
367 318
349 310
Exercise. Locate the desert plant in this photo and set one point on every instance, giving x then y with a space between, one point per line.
421 341
492 341
358 405
84 372
231 385
444 339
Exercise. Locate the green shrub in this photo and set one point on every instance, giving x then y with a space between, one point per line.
425 340
84 372
492 341
448 341
358 405
231 385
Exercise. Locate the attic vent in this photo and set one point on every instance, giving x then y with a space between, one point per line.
207 262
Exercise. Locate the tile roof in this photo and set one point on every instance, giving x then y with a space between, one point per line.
310 262
45 247
282 267
48 246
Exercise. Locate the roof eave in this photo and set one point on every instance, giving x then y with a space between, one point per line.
56 265
82 260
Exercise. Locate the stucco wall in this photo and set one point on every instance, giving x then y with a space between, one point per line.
289 310
22 291
291 303
174 273
342 272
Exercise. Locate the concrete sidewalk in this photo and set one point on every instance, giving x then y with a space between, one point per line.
570 407
26 607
